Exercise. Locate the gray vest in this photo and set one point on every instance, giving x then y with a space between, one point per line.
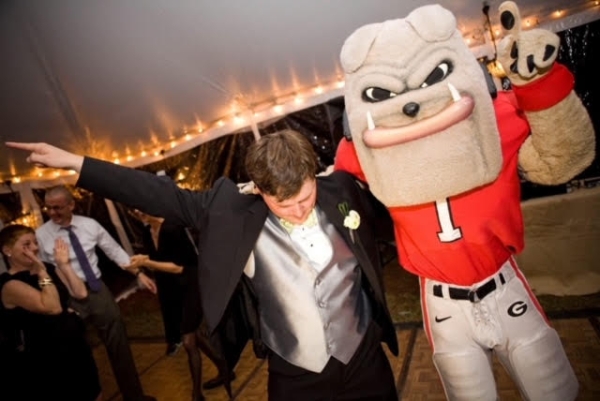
306 316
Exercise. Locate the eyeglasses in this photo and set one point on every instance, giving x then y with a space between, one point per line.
55 208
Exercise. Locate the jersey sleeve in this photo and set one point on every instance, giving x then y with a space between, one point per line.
347 160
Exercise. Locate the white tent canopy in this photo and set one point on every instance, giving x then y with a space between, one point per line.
122 79
125 79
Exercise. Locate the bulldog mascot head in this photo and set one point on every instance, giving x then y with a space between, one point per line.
445 154
421 116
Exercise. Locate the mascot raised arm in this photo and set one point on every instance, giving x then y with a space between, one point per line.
445 156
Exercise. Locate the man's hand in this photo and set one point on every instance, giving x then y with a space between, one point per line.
44 155
61 252
146 282
135 262
247 188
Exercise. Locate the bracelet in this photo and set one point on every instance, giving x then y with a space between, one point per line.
45 281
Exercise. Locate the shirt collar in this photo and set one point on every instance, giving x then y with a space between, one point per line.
311 221
57 227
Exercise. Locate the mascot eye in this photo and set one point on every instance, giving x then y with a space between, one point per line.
439 73
374 95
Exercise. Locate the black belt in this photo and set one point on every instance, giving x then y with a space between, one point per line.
473 295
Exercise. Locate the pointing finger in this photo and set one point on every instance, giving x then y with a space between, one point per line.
21 145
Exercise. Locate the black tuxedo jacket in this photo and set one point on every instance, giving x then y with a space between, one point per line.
229 224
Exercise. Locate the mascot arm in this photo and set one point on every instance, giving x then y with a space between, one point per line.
562 140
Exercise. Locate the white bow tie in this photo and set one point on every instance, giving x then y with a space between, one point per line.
310 222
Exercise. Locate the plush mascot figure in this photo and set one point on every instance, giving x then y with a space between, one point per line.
445 157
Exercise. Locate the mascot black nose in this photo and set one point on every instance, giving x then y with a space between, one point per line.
411 109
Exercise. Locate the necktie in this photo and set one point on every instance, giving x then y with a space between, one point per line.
84 263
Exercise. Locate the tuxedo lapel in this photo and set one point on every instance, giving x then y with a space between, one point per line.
239 227
251 226
329 199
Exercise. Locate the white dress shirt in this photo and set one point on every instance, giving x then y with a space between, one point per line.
310 239
90 234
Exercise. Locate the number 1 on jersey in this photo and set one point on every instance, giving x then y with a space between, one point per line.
449 233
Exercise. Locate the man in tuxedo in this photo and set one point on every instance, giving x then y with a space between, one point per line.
291 267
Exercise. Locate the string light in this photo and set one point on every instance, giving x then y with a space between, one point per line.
27 219
265 111
582 9
298 99
238 120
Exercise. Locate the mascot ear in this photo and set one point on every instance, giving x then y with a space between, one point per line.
489 81
357 46
432 23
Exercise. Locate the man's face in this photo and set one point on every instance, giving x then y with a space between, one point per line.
297 208
59 209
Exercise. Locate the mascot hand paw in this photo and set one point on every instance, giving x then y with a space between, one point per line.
525 56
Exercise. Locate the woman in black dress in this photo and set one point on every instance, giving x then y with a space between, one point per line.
172 250
44 341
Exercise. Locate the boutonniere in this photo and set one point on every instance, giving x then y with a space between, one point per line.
351 218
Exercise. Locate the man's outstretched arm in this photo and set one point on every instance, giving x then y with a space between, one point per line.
44 155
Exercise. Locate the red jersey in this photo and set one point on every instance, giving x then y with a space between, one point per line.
467 238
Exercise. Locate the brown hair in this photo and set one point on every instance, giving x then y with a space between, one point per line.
280 163
11 233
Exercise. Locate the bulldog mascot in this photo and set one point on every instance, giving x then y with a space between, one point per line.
446 157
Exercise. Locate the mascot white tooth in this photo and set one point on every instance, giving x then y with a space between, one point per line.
444 156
